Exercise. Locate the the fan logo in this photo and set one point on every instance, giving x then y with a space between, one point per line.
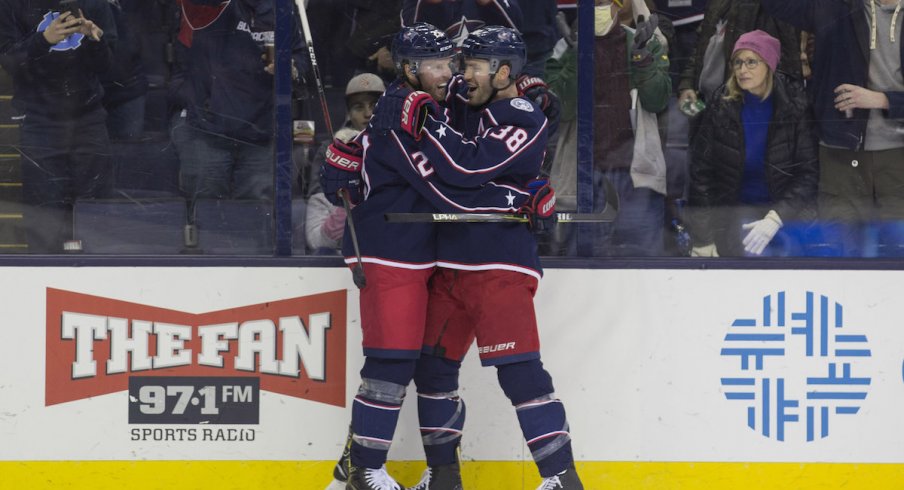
296 346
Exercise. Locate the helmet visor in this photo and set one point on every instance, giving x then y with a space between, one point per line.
438 66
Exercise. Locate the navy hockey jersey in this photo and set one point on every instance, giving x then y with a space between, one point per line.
400 178
509 146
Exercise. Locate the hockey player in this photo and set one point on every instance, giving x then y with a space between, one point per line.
398 258
488 273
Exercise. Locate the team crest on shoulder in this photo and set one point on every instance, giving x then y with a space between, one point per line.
521 104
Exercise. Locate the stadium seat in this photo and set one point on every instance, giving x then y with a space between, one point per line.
834 239
117 226
890 239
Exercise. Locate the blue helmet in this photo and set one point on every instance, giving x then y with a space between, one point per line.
421 41
498 45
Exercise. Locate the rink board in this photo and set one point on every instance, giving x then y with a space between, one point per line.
193 377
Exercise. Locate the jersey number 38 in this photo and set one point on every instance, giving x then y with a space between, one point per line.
513 137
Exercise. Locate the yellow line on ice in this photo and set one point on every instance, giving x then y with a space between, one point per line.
484 475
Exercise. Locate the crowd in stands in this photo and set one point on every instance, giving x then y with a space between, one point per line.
726 127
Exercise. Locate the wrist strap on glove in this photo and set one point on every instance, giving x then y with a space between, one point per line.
543 199
527 82
415 109
541 207
344 156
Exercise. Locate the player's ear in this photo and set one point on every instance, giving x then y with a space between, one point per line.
408 73
502 74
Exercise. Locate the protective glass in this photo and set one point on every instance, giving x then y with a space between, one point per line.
477 67
439 65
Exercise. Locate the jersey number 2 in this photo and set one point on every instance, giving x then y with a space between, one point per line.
423 165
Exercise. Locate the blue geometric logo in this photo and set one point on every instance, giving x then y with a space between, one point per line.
71 42
827 381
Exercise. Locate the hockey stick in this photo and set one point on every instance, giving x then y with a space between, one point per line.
309 40
607 215
357 269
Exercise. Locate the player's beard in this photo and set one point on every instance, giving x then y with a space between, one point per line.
481 93
433 86
436 89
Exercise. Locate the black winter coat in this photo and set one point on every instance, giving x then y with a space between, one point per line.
718 154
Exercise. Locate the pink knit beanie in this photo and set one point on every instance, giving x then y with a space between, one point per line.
761 43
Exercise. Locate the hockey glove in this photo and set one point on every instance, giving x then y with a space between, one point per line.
456 101
456 90
417 106
761 233
541 207
641 49
341 169
535 89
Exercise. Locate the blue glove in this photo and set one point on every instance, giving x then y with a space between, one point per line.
541 207
342 170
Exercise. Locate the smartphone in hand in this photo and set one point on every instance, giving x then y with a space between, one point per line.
70 6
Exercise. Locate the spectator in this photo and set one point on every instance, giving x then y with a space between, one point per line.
638 229
685 17
325 223
858 98
56 59
627 16
562 76
125 85
540 33
224 137
374 23
723 22
754 156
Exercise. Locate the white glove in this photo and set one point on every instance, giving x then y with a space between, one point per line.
761 232
705 251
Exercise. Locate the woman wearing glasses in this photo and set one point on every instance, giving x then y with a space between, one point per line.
754 160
